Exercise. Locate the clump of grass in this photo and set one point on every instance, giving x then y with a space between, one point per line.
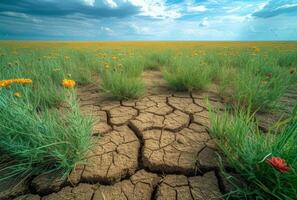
132 67
120 77
260 84
187 74
261 92
121 86
33 143
156 60
247 150
287 59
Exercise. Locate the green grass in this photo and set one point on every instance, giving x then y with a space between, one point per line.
122 86
262 93
156 60
33 143
252 81
287 59
47 68
187 74
247 149
120 77
36 137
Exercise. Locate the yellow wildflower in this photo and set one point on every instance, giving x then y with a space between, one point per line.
17 94
106 66
257 50
6 83
67 83
22 80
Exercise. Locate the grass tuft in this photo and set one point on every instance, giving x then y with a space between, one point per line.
34 143
156 60
247 150
121 86
187 75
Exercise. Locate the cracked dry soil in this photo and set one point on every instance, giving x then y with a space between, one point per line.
156 147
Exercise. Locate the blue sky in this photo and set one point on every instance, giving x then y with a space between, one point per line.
148 19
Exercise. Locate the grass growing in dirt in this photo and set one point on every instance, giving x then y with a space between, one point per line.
120 77
122 86
248 80
248 150
33 143
262 93
37 137
156 60
187 74
47 69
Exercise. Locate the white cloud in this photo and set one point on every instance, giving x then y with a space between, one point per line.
107 30
21 15
287 6
204 22
141 29
111 3
233 10
89 2
261 6
156 9
197 9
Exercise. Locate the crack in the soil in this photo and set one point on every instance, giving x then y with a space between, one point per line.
141 145
139 136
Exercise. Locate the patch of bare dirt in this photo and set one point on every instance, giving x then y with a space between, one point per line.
140 186
180 187
112 158
162 134
81 192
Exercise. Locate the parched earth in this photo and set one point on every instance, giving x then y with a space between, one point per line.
156 147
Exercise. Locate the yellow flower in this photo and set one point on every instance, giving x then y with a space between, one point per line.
17 94
67 83
2 84
22 80
6 83
257 50
106 66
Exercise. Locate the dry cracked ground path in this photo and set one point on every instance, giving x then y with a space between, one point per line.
156 147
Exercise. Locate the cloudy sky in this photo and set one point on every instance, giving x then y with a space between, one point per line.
148 19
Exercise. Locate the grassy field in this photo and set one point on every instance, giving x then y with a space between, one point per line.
250 76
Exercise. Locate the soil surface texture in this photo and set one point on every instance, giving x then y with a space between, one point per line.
156 147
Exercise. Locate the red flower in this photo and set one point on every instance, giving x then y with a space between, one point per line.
278 163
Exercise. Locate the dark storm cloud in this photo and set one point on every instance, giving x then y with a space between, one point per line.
277 7
64 8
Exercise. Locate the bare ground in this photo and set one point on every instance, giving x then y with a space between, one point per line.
156 147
